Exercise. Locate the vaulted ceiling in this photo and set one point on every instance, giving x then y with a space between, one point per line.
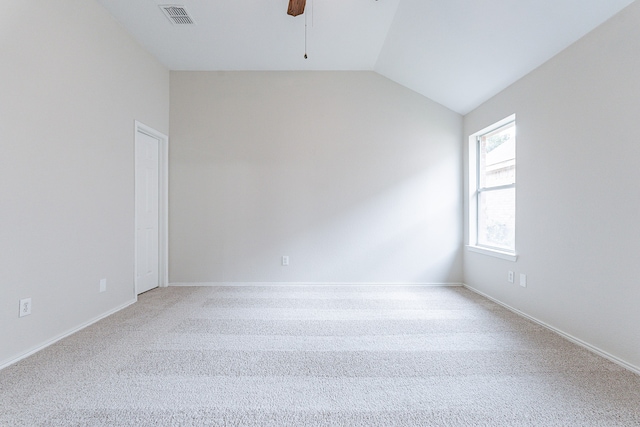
456 52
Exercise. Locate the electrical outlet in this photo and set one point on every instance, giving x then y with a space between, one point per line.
510 277
523 280
285 260
25 307
103 285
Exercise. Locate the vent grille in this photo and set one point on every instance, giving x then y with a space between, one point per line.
178 15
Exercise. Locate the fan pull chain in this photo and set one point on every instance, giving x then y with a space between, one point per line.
305 36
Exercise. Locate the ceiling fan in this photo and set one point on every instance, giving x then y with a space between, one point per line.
296 7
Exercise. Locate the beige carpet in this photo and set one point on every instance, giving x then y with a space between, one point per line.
317 356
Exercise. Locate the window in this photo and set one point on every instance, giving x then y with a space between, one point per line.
492 167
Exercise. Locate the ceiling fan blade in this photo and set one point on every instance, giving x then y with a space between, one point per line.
296 7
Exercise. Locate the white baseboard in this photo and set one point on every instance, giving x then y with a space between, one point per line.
311 284
563 334
66 334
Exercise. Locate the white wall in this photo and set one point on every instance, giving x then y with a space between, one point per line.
354 177
72 82
578 209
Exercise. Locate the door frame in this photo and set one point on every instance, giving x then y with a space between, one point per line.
163 205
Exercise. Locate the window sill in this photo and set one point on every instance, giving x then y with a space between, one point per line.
494 253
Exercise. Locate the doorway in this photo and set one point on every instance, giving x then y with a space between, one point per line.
151 149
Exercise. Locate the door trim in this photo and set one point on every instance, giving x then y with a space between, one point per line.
163 205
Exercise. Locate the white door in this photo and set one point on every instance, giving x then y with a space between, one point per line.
147 192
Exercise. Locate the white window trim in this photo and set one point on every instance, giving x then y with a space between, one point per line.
473 200
509 256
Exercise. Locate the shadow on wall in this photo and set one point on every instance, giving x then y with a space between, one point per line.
402 234
333 228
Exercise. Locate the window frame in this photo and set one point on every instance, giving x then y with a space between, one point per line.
475 192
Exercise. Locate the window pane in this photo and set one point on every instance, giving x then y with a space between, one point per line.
497 219
497 157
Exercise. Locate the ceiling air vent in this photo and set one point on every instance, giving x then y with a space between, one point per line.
177 14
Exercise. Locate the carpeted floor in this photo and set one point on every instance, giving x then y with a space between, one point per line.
317 356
